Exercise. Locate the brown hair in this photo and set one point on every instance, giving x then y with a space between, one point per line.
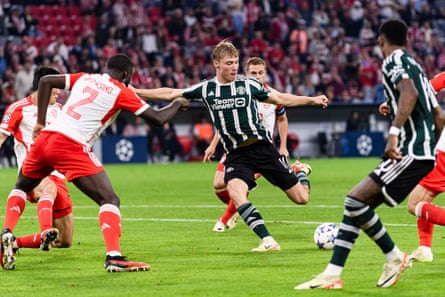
224 48
255 61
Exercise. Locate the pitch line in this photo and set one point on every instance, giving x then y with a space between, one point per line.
179 220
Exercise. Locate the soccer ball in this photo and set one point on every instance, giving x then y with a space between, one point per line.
324 236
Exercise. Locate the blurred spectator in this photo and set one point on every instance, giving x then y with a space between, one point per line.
23 80
202 132
135 127
354 122
15 23
3 62
368 73
173 148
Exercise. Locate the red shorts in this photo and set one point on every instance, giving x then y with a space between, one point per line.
435 180
220 166
55 151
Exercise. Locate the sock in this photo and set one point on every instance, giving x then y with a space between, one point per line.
431 212
230 211
223 195
110 225
358 215
45 212
14 208
29 241
253 219
425 230
303 179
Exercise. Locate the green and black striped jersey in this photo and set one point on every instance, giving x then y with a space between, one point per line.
233 108
417 134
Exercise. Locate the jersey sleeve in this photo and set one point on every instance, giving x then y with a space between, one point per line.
11 120
128 100
258 90
194 92
280 110
70 79
438 81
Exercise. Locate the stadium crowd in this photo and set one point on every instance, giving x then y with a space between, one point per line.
310 46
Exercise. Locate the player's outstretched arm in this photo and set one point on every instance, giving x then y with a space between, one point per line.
165 114
165 94
291 100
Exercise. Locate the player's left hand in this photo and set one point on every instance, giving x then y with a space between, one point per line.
391 150
36 131
322 100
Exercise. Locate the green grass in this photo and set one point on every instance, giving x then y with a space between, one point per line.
168 212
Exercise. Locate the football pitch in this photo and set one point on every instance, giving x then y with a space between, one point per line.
168 212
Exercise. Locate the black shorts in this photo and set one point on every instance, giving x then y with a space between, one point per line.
260 157
398 178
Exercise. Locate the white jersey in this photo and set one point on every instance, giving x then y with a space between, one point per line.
268 113
94 103
19 120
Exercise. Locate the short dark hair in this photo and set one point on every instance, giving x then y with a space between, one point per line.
395 31
39 73
120 63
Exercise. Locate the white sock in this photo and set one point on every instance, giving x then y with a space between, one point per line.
333 269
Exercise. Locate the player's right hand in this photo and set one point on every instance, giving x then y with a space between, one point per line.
185 103
36 131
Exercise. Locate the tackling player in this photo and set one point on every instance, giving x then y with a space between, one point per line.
54 206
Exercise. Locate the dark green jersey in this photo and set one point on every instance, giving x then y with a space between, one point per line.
417 134
233 109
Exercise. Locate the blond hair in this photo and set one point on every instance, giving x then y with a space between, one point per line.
224 48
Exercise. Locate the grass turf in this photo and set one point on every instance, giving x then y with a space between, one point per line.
168 212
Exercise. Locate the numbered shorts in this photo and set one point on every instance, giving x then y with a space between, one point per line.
398 177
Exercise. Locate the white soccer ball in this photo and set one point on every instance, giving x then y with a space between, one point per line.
324 236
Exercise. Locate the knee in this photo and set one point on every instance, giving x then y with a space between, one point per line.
412 206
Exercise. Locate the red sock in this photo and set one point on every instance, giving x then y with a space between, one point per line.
230 211
223 196
432 213
29 241
110 225
14 208
425 230
45 212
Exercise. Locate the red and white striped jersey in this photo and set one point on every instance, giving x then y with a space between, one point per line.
19 120
268 113
93 104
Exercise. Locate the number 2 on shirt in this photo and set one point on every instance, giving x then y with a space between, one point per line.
91 96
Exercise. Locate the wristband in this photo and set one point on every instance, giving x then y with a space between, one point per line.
394 131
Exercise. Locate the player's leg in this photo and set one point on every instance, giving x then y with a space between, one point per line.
230 216
420 204
65 225
359 215
98 187
238 192
14 209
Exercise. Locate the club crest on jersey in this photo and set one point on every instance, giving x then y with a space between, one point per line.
240 90
6 118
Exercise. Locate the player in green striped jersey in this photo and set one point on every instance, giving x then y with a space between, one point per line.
408 157
232 101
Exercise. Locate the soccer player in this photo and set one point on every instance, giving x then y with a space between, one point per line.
232 101
269 114
54 206
65 145
408 157
421 198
